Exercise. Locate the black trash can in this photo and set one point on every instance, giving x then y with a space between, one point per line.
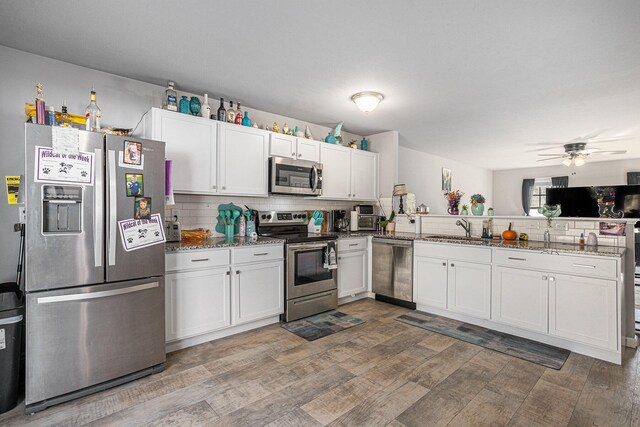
11 325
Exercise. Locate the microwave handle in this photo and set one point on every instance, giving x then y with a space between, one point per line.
314 178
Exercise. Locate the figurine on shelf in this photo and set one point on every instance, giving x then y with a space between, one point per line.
275 128
353 144
337 133
298 132
307 133
255 125
285 129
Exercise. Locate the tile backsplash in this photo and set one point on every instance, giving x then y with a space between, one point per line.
561 230
201 211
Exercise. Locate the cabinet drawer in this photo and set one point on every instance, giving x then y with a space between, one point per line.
257 254
197 259
580 265
453 252
353 244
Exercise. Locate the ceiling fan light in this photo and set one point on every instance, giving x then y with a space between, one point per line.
367 101
567 161
579 161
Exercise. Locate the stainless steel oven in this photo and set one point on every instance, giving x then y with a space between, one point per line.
311 287
298 177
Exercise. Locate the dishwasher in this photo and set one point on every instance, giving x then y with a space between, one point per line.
393 271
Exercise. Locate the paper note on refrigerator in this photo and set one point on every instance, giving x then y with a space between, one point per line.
141 233
65 140
63 168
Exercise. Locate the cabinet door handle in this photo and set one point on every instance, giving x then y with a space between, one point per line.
299 155
224 188
444 264
237 271
200 260
293 154
553 279
339 257
517 259
213 186
584 265
452 265
544 277
261 254
353 244
228 272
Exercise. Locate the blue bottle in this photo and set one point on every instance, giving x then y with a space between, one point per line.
185 105
330 139
246 121
364 144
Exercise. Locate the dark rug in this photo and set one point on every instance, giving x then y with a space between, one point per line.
532 351
323 324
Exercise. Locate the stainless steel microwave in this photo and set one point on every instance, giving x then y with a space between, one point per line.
297 177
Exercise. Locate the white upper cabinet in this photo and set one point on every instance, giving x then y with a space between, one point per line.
243 160
291 147
308 149
364 174
281 145
191 145
336 171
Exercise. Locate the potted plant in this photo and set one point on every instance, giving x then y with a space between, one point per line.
465 210
477 204
388 225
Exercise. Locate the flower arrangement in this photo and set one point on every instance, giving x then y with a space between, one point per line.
477 198
453 197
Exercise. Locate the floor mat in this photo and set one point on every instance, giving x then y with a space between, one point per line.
323 324
532 351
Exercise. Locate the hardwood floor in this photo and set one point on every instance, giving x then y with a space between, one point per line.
383 372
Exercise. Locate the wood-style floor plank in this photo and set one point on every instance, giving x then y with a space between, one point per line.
382 372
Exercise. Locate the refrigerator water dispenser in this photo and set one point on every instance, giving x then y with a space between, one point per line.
61 209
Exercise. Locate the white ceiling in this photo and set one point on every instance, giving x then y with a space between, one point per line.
476 80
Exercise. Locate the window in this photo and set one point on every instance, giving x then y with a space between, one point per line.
539 196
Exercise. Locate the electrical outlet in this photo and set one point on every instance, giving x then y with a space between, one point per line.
22 214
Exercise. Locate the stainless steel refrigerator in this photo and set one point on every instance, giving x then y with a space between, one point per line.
94 262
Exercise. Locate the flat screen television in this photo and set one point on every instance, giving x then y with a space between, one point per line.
582 201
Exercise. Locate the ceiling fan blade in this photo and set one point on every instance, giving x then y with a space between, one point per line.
554 154
610 139
610 152
550 158
593 134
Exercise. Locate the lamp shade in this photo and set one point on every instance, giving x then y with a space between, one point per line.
399 190
367 101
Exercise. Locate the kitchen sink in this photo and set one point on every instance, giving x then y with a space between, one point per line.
451 237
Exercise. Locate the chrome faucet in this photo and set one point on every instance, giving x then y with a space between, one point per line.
465 224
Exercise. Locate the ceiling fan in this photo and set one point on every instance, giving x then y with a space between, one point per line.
576 151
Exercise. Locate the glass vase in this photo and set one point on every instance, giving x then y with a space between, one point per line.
478 209
194 106
184 105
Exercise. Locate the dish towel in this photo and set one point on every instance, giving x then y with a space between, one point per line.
330 261
169 200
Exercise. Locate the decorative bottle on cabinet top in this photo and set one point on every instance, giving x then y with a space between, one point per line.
205 110
231 113
93 113
184 105
222 113
239 115
246 121
194 106
170 101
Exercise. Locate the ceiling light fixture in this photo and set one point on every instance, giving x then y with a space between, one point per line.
579 161
567 161
367 101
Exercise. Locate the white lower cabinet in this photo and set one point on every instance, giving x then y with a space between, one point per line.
197 302
352 273
520 298
258 291
469 289
430 281
583 309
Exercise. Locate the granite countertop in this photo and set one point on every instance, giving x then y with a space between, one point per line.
549 248
220 242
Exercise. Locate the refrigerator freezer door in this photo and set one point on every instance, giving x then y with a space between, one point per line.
65 220
81 337
121 204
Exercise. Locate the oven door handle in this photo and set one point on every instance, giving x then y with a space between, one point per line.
302 246
314 178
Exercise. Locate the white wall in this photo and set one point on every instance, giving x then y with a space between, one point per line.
123 102
422 173
386 144
507 184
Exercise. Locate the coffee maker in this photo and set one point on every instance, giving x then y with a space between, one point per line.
340 220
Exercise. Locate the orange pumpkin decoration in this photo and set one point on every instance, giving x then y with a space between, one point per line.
509 234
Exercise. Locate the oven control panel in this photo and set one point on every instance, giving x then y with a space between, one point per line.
282 217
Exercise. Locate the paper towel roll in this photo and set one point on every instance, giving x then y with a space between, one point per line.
354 221
169 200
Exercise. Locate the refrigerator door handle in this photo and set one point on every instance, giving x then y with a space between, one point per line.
99 294
111 161
98 210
